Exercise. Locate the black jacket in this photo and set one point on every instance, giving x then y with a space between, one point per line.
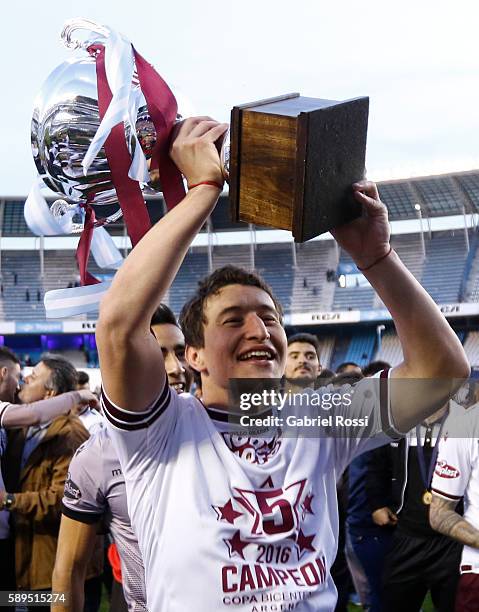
387 476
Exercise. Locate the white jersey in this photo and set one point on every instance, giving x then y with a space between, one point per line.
95 490
457 472
92 421
236 523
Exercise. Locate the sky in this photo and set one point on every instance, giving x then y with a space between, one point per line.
418 61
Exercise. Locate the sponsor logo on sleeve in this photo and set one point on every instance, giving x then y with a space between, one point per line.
445 470
72 491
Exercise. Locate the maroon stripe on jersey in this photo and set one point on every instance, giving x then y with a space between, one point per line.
387 426
448 495
122 419
135 426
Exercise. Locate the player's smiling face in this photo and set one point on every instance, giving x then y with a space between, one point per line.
172 342
243 338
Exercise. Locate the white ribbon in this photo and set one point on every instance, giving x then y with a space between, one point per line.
38 216
104 250
63 303
77 300
119 68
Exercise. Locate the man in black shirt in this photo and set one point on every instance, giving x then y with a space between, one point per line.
419 559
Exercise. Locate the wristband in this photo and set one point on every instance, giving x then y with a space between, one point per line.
377 261
211 183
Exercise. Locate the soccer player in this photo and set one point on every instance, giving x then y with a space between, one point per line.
245 521
95 492
457 476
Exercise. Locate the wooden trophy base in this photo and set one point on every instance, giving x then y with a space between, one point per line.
293 161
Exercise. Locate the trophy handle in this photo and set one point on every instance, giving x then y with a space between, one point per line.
79 23
225 155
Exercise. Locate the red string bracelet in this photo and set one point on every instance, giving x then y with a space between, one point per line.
376 262
211 183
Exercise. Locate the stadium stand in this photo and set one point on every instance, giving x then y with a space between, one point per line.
327 350
361 347
447 270
390 350
470 279
313 260
468 182
400 200
193 268
471 346
274 262
439 196
239 254
13 220
303 288
349 298
445 259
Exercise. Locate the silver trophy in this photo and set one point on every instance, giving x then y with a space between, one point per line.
65 121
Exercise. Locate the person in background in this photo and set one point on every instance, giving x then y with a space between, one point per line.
342 569
367 542
348 367
456 477
95 474
83 380
302 361
399 495
91 419
376 366
325 377
14 416
37 459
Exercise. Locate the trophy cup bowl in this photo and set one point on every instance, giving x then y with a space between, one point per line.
65 121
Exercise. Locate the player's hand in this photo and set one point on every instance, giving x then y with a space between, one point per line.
366 239
85 398
194 151
384 516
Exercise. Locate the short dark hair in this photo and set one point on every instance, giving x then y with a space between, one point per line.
307 338
342 366
325 373
63 375
192 317
82 377
346 378
163 315
7 354
375 366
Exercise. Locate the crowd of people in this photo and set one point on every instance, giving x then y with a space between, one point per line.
66 525
191 508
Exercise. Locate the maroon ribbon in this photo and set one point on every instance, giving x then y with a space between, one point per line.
163 110
83 249
128 191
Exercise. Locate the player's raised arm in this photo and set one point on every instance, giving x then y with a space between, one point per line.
131 362
434 360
